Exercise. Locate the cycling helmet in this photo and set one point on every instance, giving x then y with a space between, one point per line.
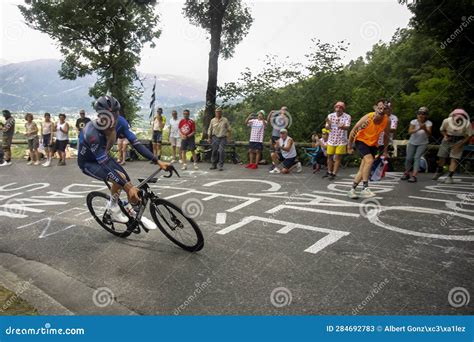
107 103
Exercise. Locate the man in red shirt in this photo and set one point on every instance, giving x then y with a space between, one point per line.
187 130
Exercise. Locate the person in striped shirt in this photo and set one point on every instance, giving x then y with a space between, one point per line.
257 133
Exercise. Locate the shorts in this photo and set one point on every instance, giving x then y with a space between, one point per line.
157 137
255 145
446 150
33 144
188 144
175 141
47 140
365 149
288 162
339 149
60 145
6 141
97 171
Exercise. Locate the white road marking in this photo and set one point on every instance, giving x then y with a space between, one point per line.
273 185
221 218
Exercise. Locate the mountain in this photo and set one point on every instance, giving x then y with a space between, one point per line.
36 86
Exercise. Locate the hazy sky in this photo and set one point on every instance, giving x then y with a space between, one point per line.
284 28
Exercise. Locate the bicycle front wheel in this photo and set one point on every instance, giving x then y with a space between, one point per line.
97 204
176 226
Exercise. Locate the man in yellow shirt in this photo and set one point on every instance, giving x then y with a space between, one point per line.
158 124
219 129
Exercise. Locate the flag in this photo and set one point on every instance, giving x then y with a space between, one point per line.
152 102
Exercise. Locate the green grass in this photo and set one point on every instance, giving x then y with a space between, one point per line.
13 305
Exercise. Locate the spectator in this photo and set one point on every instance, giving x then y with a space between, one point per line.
47 138
320 157
31 132
456 131
393 128
122 143
420 131
338 123
82 121
219 129
187 131
62 138
366 134
8 131
174 135
278 120
257 133
285 152
158 124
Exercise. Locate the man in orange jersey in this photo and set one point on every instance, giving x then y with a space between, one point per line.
365 134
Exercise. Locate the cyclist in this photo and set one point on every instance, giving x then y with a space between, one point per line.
95 141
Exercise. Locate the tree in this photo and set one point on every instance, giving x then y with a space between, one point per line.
101 37
227 22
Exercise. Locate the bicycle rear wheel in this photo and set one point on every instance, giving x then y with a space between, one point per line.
97 204
176 226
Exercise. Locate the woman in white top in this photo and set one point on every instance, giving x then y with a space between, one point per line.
420 130
174 134
62 139
47 138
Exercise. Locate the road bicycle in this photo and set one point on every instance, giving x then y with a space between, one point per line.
170 219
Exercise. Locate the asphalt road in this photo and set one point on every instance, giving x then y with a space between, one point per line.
274 244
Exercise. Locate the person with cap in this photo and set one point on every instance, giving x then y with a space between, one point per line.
338 123
219 129
285 153
81 121
420 131
8 131
257 133
456 130
365 135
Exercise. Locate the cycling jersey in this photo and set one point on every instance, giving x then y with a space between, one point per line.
93 158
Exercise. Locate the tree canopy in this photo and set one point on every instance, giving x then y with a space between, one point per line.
101 37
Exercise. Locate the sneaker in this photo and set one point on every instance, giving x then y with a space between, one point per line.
366 193
116 213
271 167
180 161
248 166
299 168
221 168
173 161
253 166
196 167
213 167
6 163
47 163
275 170
148 224
352 194
326 175
412 179
184 167
449 180
332 176
36 163
30 162
405 176
62 163
437 175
